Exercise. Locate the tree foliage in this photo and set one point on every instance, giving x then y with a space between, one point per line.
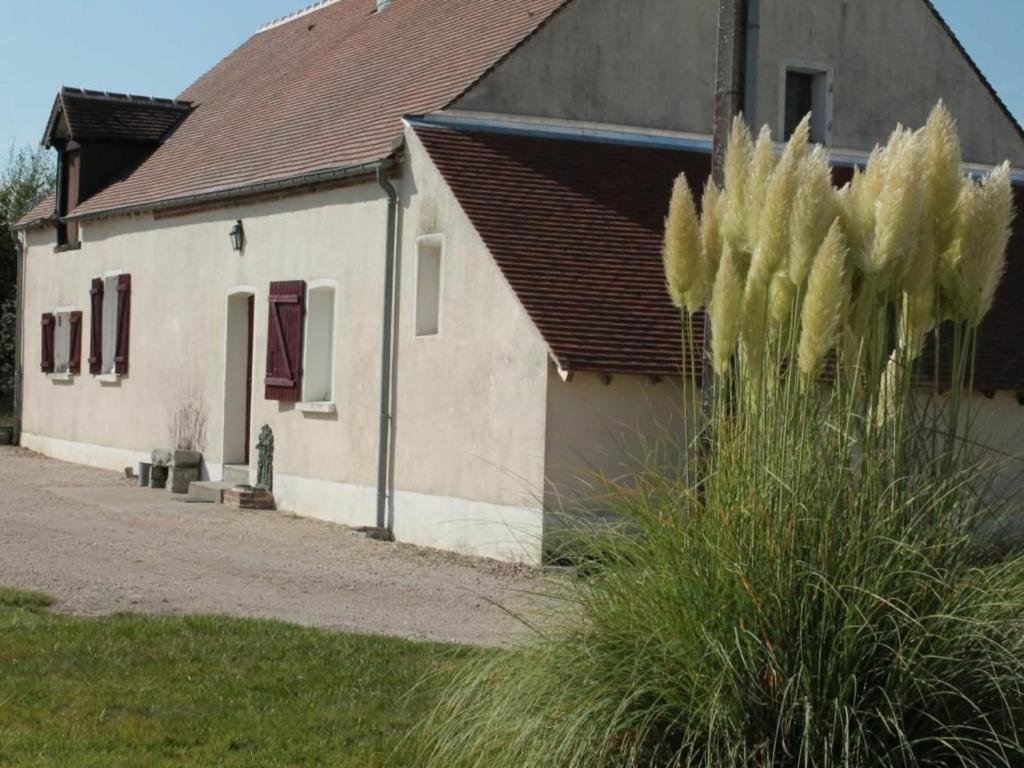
28 176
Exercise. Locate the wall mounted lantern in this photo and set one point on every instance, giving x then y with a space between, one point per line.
238 237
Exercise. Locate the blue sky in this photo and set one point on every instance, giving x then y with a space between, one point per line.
157 48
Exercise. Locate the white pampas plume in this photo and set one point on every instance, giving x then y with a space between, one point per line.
975 263
898 216
726 297
858 210
943 174
681 252
752 324
711 228
776 214
814 210
781 298
759 175
821 313
737 163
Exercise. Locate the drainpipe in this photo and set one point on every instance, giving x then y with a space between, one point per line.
21 246
731 77
750 66
386 352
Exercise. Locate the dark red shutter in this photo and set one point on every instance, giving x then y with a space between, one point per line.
124 316
75 353
96 329
284 341
48 323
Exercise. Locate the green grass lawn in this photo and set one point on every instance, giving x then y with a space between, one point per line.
144 691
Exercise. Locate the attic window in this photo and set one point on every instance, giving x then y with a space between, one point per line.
807 90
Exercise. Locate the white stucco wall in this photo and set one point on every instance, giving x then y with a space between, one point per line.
470 404
602 433
469 401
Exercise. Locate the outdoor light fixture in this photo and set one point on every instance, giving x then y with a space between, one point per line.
238 237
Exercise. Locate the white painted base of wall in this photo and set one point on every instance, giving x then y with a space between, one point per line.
98 456
475 528
114 459
512 534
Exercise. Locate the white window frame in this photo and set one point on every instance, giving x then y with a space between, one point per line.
319 405
110 321
432 239
821 97
59 314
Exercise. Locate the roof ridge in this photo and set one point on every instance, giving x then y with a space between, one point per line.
130 98
295 15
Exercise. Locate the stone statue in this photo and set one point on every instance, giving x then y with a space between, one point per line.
265 462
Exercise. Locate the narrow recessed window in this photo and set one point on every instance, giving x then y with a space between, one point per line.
62 342
109 323
807 91
318 377
428 285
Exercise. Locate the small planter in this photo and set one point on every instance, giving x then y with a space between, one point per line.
6 435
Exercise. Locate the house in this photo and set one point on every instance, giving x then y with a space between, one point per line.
420 239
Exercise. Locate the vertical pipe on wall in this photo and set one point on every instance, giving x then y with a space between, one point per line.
730 79
750 65
386 352
19 324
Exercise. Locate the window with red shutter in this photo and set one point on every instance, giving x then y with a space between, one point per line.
124 310
285 321
48 324
96 328
75 353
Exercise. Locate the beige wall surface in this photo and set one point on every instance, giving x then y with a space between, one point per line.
182 271
891 62
469 403
644 63
599 432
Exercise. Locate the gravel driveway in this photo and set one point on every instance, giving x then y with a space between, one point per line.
101 546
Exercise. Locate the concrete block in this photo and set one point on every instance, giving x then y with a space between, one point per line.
182 477
158 476
186 458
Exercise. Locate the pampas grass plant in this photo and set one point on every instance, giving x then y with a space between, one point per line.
822 598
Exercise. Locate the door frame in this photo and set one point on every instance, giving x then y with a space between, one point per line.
231 431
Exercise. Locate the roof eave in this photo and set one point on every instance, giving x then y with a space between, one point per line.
241 192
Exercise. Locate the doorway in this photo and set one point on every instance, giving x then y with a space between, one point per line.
238 378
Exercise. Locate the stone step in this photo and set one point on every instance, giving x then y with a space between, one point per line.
235 474
209 491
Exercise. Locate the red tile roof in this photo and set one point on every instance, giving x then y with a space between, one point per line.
324 91
576 229
118 116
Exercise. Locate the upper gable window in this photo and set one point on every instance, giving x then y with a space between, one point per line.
807 90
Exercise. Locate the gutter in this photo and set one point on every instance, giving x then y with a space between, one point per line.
245 190
384 524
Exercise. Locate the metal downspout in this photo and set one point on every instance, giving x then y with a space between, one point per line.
386 353
752 63
19 323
